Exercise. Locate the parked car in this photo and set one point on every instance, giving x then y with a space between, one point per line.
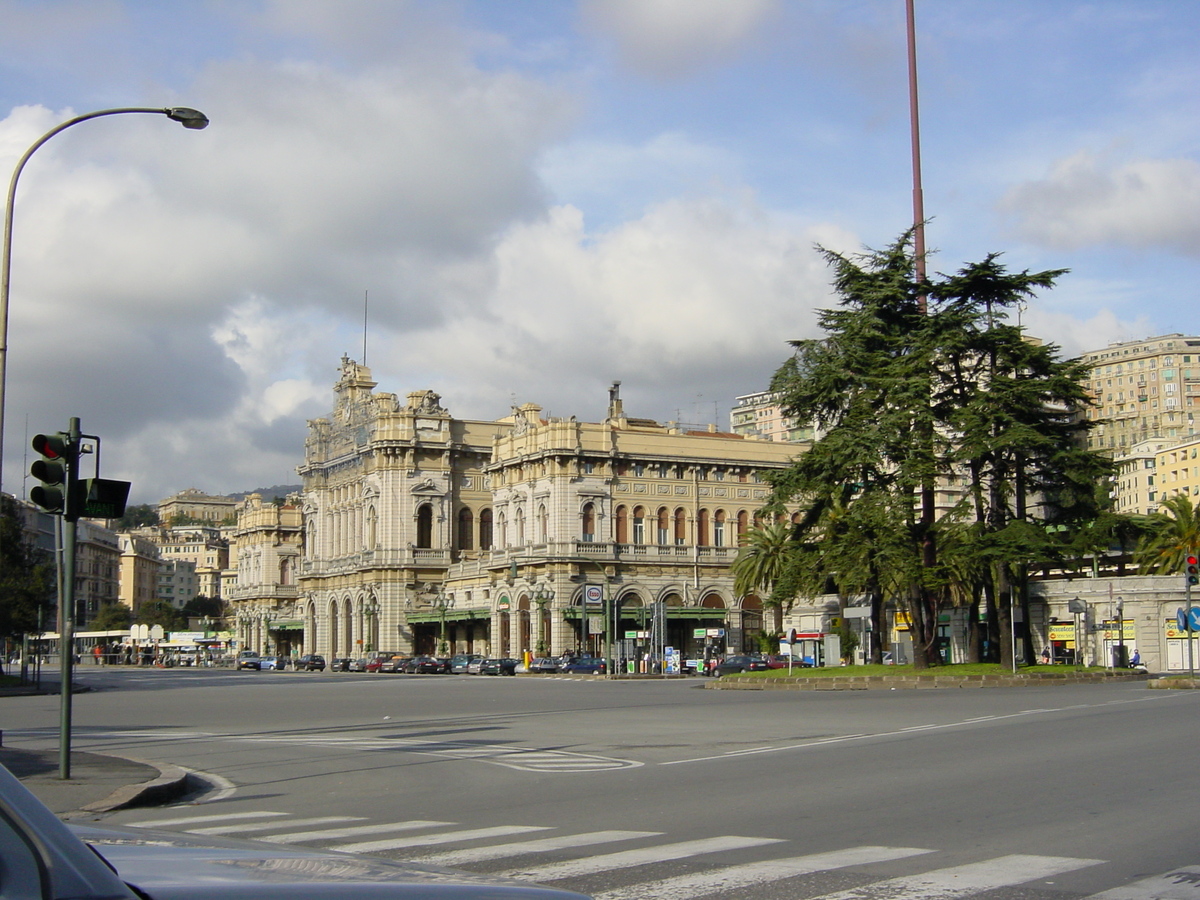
396 664
475 665
270 662
736 664
780 661
340 664
310 662
544 665
459 662
358 665
585 665
249 659
498 667
46 858
423 665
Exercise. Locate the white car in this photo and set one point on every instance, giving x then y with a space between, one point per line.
44 859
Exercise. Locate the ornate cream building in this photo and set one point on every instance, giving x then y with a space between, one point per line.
424 533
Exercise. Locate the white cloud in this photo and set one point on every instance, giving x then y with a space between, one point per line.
1146 203
674 38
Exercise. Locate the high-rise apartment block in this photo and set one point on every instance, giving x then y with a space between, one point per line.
1144 390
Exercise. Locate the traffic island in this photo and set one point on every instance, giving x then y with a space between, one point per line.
914 682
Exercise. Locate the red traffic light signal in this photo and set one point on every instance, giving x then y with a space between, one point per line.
56 470
1191 569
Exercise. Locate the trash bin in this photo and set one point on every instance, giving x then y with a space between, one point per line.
1120 656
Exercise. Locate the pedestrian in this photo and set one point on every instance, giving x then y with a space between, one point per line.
96 654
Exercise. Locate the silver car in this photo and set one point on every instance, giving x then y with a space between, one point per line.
44 859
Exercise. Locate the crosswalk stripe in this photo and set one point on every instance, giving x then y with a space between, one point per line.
1178 884
267 826
627 858
449 837
353 831
188 820
960 881
518 848
699 884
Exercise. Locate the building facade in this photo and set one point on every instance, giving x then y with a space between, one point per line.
1143 390
761 415
420 532
191 506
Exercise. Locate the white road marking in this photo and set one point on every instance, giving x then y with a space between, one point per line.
191 820
699 884
426 840
267 826
353 831
1182 883
518 848
961 881
627 858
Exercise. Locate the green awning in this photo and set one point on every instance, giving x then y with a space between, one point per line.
452 615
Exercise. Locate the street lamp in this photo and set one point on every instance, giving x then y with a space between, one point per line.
187 117
541 597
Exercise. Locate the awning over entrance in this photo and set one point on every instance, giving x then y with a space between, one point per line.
632 613
287 625
452 615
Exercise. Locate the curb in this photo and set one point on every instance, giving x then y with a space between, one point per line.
172 782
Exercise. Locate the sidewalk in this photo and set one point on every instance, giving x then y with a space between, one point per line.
98 783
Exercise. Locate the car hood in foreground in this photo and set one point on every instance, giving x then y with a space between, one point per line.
168 866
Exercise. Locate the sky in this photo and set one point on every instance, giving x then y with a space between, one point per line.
514 202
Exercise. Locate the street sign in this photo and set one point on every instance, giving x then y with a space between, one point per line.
1194 617
593 594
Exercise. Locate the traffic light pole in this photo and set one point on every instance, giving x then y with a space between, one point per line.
66 631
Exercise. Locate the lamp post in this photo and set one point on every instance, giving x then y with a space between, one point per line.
370 611
541 597
188 118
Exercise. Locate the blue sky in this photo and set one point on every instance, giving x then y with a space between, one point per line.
540 197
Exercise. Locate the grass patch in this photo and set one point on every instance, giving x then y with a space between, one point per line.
961 669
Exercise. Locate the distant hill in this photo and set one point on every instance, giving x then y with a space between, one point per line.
270 493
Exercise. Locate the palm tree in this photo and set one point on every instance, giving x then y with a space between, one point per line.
1174 532
760 562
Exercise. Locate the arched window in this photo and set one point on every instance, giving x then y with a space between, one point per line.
589 522
743 524
425 526
680 527
719 528
502 530
466 527
664 527
285 570
519 521
639 525
543 524
702 529
485 529
622 525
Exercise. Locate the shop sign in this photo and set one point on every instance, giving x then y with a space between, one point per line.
1061 631
504 603
1174 631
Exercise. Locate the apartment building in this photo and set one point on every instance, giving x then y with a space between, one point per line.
760 415
1144 389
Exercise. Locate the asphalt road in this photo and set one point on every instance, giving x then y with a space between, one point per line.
666 790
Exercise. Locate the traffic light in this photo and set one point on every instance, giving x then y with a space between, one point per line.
58 472
1191 569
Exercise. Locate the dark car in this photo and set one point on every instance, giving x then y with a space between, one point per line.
46 858
340 664
781 661
310 662
424 665
498 667
585 665
396 665
459 663
737 664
